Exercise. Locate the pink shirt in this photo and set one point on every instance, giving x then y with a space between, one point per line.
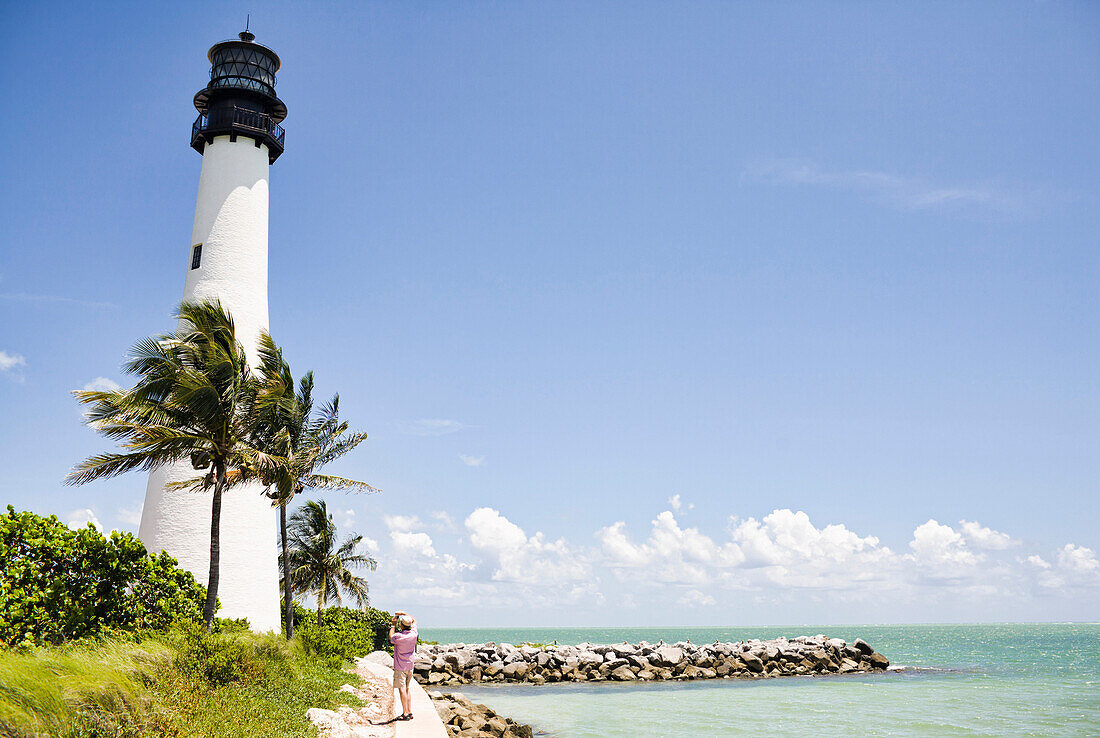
404 646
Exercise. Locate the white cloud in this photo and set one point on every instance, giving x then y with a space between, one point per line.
1037 561
416 543
676 503
130 517
793 552
1078 559
24 297
782 560
444 522
940 552
347 518
78 519
431 427
102 384
401 522
368 545
891 189
11 361
472 460
519 558
671 553
695 598
986 538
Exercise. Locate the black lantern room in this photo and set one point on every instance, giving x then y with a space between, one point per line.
240 99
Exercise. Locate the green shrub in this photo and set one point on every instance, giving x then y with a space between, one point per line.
232 655
60 584
344 633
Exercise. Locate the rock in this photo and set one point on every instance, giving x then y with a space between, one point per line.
612 665
496 726
329 723
379 657
753 662
623 674
667 656
516 670
878 661
848 665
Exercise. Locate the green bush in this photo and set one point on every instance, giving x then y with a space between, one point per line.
344 633
231 655
60 584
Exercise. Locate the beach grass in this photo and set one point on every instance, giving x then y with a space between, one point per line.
182 683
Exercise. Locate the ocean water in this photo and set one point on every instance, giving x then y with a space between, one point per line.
973 680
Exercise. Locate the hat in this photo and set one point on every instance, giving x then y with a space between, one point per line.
406 621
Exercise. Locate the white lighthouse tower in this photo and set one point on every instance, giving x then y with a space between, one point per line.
239 136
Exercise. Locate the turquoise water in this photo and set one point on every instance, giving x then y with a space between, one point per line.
995 680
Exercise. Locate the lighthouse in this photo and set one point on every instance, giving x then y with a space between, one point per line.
237 132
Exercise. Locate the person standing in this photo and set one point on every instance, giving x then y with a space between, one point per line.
403 636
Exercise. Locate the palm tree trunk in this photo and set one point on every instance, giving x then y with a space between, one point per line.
288 602
211 605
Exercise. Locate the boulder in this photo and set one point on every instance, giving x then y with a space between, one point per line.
379 657
878 661
753 662
667 656
623 674
848 665
516 670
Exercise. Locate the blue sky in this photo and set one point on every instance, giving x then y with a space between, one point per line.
567 261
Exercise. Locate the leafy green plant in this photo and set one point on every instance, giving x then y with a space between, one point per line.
345 633
60 584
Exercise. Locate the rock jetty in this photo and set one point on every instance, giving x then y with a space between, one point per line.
466 719
460 663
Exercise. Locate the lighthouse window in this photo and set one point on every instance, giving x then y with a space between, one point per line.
196 256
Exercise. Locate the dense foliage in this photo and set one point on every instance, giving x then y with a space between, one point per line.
344 633
58 584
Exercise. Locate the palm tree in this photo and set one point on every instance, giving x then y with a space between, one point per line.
284 424
318 564
189 404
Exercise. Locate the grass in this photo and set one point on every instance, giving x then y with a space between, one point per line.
184 684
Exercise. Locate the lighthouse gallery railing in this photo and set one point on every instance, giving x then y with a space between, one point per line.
239 118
